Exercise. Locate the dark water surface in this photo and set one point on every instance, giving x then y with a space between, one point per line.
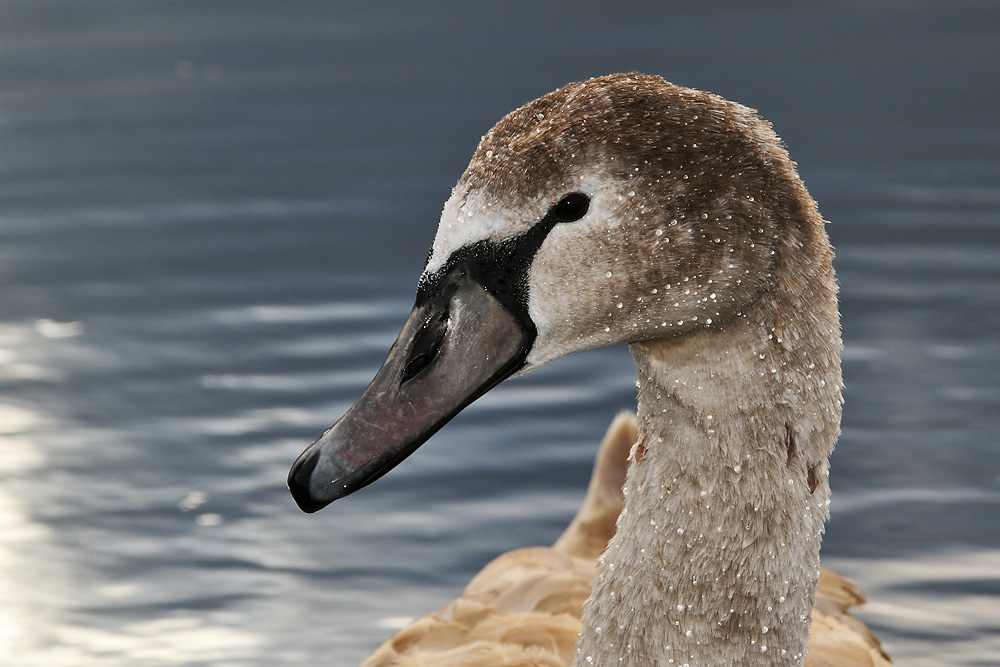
212 218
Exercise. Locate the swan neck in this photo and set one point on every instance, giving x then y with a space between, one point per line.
716 556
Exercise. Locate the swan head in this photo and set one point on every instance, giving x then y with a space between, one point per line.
623 208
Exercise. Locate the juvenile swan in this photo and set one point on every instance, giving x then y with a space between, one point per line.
625 208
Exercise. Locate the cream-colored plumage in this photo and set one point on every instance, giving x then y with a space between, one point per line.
523 609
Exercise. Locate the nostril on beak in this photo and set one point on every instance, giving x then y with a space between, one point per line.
426 347
415 365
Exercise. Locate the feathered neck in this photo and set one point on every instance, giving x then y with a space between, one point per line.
716 555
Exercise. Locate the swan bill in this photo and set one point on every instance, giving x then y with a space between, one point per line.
458 342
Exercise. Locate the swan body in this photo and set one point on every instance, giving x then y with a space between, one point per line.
524 608
628 209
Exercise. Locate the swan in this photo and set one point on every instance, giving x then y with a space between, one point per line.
628 209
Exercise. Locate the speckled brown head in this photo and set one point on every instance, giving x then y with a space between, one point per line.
692 202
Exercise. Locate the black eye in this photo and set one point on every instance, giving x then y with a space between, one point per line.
572 207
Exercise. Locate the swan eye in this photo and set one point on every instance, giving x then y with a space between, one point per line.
572 207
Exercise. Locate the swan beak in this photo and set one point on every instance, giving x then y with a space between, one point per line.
458 343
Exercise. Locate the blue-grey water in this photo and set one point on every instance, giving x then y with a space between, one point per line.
212 218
